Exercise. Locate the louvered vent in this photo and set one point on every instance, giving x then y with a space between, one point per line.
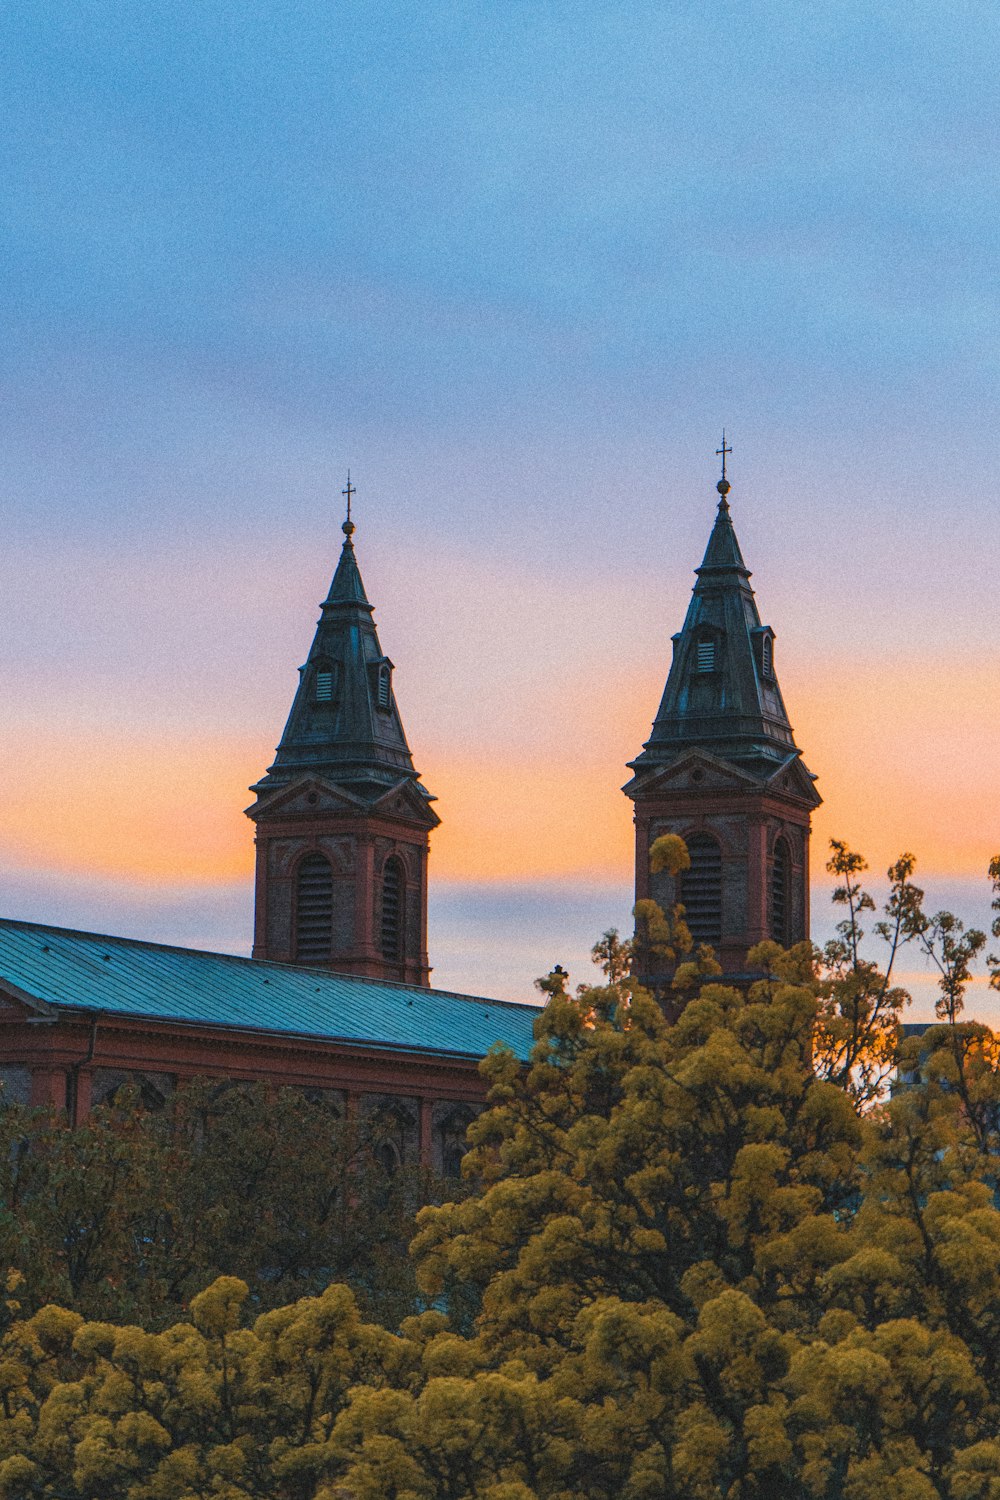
392 912
314 908
766 656
705 660
780 889
701 889
324 685
384 687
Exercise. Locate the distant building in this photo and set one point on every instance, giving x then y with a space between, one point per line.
336 997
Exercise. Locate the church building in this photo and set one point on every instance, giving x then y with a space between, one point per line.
336 998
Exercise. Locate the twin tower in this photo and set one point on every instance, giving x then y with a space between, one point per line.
343 819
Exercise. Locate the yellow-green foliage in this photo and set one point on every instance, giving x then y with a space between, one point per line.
669 853
690 1269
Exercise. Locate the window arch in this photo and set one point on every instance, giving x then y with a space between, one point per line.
701 889
393 893
313 908
781 886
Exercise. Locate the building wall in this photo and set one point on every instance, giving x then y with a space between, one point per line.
424 1101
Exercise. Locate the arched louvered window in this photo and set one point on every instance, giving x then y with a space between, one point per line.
392 911
701 889
781 885
384 686
313 908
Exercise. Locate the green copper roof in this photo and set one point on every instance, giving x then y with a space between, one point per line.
54 966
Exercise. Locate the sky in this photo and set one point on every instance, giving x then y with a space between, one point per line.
515 266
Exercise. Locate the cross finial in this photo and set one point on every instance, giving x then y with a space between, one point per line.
723 484
719 452
348 526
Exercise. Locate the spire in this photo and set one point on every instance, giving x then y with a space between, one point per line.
722 694
347 587
344 723
723 550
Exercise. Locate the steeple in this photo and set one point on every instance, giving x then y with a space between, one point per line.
341 814
722 769
722 693
344 723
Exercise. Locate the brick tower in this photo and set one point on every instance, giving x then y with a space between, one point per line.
342 818
722 769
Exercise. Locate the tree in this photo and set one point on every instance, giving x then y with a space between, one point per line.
209 1407
132 1213
657 1207
857 1032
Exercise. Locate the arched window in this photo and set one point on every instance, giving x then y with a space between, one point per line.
781 882
392 911
767 656
313 908
452 1137
701 889
384 686
389 1157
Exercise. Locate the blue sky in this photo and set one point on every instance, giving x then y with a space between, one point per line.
515 265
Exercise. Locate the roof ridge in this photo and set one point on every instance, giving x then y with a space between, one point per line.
265 963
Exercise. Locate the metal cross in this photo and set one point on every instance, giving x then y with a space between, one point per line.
351 489
721 452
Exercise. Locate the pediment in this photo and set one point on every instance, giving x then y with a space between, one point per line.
405 800
17 1005
307 796
694 770
796 780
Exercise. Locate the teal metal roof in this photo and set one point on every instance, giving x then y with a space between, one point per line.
126 977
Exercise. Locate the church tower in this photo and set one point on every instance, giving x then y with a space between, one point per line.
722 769
342 818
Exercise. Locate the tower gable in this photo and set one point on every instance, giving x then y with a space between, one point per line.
696 769
306 796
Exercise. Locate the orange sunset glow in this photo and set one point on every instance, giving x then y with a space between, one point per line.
168 807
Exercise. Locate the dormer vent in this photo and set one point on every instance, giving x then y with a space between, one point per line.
705 657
